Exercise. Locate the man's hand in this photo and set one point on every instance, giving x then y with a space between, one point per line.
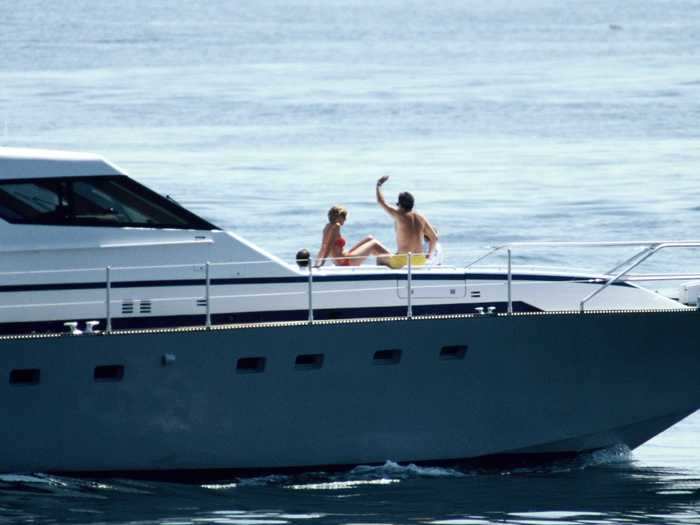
380 198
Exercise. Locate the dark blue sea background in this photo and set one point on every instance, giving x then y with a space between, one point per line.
509 121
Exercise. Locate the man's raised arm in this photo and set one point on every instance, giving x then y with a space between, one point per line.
380 197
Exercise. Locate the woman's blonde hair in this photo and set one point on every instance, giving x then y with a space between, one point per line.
335 213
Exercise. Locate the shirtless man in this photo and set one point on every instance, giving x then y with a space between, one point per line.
411 228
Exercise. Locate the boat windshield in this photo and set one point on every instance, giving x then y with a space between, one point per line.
115 201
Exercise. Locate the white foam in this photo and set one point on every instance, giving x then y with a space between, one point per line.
615 454
342 485
22 478
272 479
460 521
220 486
393 469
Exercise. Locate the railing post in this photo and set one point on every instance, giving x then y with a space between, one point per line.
207 293
108 299
655 248
409 289
311 293
510 282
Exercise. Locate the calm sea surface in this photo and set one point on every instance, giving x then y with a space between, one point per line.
508 120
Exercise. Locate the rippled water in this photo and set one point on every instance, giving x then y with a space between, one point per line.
605 487
508 121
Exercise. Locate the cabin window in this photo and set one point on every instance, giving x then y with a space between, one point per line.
250 365
453 352
25 376
308 361
116 201
109 373
387 357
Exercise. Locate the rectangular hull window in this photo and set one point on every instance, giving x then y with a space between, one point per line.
308 361
25 376
109 373
250 365
387 357
453 352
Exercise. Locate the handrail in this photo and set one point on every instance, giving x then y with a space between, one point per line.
622 269
311 293
108 300
510 281
645 277
643 256
409 290
207 285
207 294
619 273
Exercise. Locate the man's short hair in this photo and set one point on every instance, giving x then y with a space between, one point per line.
406 201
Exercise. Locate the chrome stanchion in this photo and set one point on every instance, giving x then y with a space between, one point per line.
108 299
510 282
409 312
207 293
311 294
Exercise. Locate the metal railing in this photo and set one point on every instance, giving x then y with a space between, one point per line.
615 274
618 273
207 268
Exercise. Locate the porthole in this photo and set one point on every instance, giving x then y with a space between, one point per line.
453 352
25 376
308 361
250 365
387 357
109 373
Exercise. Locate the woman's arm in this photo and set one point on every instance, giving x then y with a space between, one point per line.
322 253
330 233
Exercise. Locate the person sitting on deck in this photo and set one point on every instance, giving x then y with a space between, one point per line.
333 244
303 258
411 228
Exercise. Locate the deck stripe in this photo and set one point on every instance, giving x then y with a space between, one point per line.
288 280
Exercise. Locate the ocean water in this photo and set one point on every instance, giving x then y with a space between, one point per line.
509 121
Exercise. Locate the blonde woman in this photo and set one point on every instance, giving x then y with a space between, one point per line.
333 244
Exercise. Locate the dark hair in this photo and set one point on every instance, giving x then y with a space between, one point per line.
303 257
406 201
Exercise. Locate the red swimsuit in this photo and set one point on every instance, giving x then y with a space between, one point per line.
340 243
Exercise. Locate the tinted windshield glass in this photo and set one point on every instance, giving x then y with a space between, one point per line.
92 201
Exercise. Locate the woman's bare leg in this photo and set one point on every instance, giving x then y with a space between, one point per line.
371 247
360 243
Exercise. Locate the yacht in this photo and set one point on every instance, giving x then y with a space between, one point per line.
137 337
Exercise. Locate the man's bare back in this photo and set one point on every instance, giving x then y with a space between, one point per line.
411 227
